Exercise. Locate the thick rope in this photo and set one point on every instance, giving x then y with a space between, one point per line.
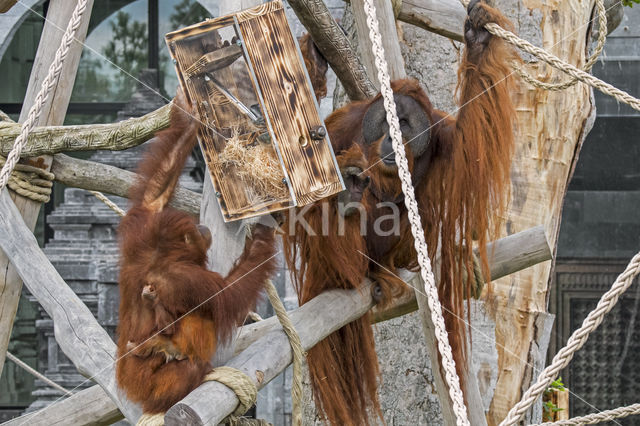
448 364
151 420
113 206
296 349
600 417
239 383
602 38
37 374
30 182
49 83
575 342
557 63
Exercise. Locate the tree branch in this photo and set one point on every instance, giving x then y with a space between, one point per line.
335 47
113 136
112 180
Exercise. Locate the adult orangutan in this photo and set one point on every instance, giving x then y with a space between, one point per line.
173 311
460 170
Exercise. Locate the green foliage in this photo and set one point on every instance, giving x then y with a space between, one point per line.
630 2
189 12
557 384
550 408
127 49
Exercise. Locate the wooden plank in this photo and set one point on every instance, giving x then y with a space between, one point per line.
53 113
91 406
290 105
221 116
220 58
77 332
509 255
112 180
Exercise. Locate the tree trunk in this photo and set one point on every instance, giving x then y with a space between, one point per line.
550 129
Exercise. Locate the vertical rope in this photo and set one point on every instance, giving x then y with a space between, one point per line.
296 350
431 291
49 83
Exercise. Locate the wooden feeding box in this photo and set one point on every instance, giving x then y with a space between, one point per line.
262 137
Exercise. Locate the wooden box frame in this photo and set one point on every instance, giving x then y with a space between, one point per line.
286 99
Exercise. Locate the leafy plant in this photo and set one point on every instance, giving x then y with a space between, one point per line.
630 2
548 406
557 384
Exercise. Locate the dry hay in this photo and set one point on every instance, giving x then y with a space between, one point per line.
257 166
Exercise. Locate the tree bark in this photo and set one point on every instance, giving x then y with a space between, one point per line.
53 113
550 129
112 180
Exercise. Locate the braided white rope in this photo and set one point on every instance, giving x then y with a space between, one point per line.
47 87
575 342
448 364
600 417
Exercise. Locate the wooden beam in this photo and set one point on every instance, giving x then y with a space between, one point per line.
50 140
390 42
53 113
112 180
444 17
335 47
510 254
266 357
91 406
211 402
77 332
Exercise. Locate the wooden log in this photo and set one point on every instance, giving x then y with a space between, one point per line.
50 140
335 47
112 180
507 255
510 254
390 42
91 406
266 350
211 402
444 17
53 112
77 332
